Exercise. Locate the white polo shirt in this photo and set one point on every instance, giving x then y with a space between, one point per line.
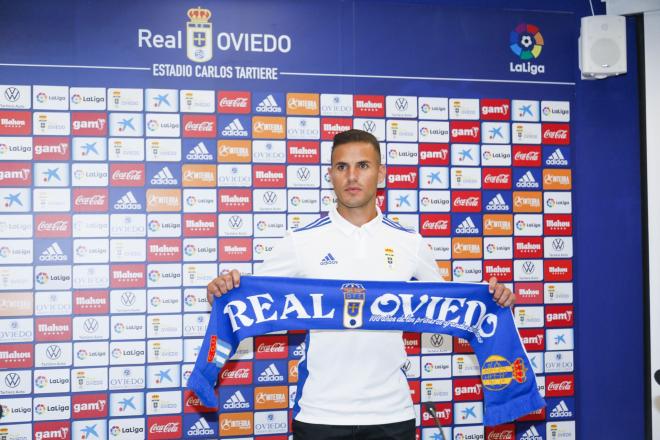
352 377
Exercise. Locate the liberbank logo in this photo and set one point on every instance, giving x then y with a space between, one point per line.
526 42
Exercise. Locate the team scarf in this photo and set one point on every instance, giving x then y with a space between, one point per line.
266 304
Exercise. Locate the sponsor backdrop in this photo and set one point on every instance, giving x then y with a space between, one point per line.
143 155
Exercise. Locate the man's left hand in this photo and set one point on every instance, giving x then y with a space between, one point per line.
501 294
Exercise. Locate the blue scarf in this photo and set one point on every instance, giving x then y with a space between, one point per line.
266 304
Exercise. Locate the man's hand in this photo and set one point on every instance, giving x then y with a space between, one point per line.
503 296
223 284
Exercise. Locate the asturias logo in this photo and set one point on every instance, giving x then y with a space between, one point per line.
526 42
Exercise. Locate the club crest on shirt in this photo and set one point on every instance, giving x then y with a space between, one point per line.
389 257
354 296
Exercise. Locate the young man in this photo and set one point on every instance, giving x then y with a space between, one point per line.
351 383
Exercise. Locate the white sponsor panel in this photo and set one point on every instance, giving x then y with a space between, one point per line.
87 98
162 100
126 378
52 277
16 226
303 128
128 353
536 360
91 276
164 350
88 328
232 225
16 252
559 339
128 327
440 246
271 422
163 150
495 133
373 126
163 376
496 155
326 147
197 101
129 225
561 430
125 100
558 293
51 174
200 249
127 250
51 200
401 106
401 130
163 275
128 301
91 225
469 432
50 97
199 274
465 178
15 148
435 343
89 148
271 225
195 324
528 225
268 151
558 247
15 200
303 176
90 250
555 111
303 200
524 110
402 200
525 133
467 271
328 200
16 410
163 225
336 105
164 326
402 154
200 200
467 109
51 123
17 330
89 174
498 248
235 175
467 413
269 200
164 301
434 177
16 278
465 155
408 221
433 108
195 300
15 382
436 391
528 270
465 365
262 247
411 367
557 202
90 354
163 124
559 361
529 316
51 408
434 201
191 348
433 131
89 379
436 367
14 97
126 404
126 124
52 303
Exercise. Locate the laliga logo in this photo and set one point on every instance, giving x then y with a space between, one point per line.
354 297
526 42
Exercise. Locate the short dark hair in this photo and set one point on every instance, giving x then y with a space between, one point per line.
348 136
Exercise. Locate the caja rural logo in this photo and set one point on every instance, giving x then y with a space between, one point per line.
526 42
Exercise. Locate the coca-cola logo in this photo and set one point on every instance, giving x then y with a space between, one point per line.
95 200
241 373
555 134
205 126
59 226
132 175
439 225
236 102
170 427
276 347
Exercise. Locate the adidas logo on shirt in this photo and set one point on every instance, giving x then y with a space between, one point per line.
328 259
531 434
561 410
236 401
527 181
201 427
234 128
164 177
270 374
128 201
200 152
556 158
497 203
269 105
53 253
467 226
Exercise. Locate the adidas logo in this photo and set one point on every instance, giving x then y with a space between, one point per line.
556 158
201 427
467 226
53 253
164 177
199 153
270 374
236 401
269 105
527 181
531 434
128 201
235 128
328 259
561 410
497 203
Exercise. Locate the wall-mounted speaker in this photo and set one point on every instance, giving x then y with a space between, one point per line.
602 46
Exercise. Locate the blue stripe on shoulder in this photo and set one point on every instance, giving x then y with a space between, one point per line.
395 225
315 224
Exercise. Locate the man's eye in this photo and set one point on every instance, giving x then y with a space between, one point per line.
364 165
341 167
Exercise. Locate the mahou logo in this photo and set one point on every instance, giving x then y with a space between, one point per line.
435 225
52 225
238 200
558 270
556 134
269 176
369 106
127 275
234 102
53 329
271 347
127 174
90 199
90 302
302 152
164 249
200 225
199 126
412 343
332 126
558 224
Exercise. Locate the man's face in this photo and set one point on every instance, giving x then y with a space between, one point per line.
355 174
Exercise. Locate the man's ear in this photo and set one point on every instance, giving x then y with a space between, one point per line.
381 173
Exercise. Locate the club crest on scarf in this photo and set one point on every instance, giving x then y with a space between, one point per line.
497 372
354 296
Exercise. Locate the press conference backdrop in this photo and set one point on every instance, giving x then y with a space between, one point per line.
145 152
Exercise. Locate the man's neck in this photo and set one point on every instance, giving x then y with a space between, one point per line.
358 216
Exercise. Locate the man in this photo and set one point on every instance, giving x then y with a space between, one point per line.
351 383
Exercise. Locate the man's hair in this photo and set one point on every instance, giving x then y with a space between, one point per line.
348 136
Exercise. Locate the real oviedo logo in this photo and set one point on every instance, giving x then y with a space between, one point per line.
526 42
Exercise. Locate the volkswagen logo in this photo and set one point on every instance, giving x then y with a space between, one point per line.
270 197
369 126
558 244
303 174
128 299
90 325
401 104
12 94
437 340
235 222
406 366
53 352
528 267
12 380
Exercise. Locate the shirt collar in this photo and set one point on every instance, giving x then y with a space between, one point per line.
349 228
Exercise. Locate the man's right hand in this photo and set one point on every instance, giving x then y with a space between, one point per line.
223 284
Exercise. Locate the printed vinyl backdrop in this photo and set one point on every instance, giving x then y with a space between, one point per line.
142 156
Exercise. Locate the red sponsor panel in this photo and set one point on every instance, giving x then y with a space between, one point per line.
435 225
369 106
52 225
89 124
466 201
236 373
164 249
235 200
91 302
559 386
495 109
51 148
468 389
526 156
303 152
192 404
402 177
59 430
15 174
15 123
271 347
234 102
500 269
465 131
235 249
557 224
53 329
332 126
412 342
528 247
127 174
528 293
90 200
414 386
501 432
269 176
15 356
434 154
200 126
462 346
381 199
200 225
559 316
164 427
539 414
532 338
496 178
125 276
89 406
444 411
558 270
556 134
